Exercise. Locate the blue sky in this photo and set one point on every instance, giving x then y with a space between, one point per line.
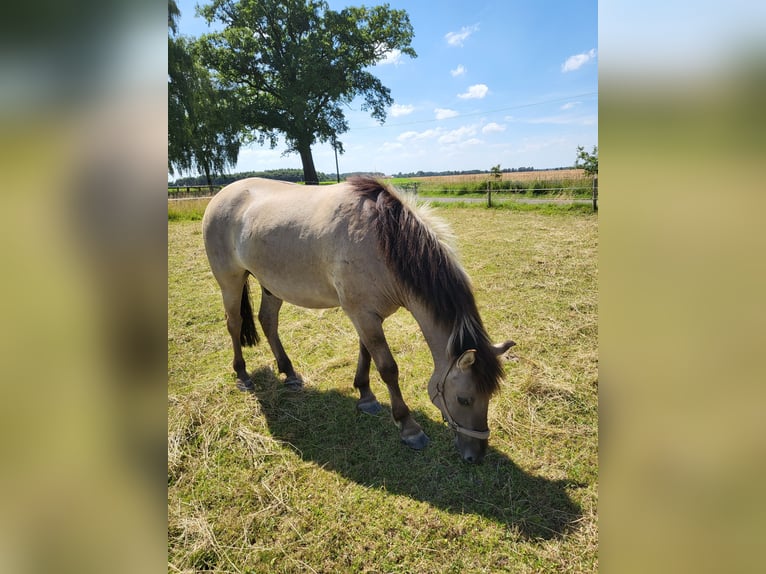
495 82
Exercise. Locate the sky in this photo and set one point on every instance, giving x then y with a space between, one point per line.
503 82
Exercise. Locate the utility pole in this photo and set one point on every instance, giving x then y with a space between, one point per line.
335 149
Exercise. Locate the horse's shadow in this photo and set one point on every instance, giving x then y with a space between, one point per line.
324 427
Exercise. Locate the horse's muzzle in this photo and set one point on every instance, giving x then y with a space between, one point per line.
472 450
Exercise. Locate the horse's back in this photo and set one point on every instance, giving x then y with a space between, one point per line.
306 245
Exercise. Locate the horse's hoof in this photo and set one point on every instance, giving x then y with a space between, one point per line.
417 442
370 408
245 385
294 384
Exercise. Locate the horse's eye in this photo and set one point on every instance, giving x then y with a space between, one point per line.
464 401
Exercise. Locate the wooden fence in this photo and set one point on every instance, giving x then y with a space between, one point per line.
194 191
190 191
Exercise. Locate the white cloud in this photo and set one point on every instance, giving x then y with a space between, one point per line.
401 110
477 92
391 146
562 120
458 135
457 38
570 105
444 113
537 145
391 57
577 61
415 136
459 71
492 127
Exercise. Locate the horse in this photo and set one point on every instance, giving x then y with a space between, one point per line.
362 246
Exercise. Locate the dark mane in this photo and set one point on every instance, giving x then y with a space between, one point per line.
430 271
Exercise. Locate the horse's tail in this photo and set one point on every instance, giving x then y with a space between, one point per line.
248 336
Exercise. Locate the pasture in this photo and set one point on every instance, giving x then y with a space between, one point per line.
558 183
537 175
277 481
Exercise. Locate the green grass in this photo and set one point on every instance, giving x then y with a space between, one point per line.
508 188
542 208
193 209
273 481
187 209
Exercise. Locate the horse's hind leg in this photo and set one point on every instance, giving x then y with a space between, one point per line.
268 315
367 402
239 322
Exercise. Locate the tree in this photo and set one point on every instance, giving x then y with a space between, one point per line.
203 120
587 161
294 64
179 64
496 173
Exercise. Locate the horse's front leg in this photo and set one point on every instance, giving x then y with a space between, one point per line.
367 402
370 329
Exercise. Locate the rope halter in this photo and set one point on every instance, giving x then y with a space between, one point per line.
447 416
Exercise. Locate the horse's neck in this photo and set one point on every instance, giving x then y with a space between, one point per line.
436 334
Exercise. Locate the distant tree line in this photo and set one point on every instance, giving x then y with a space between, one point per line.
296 175
472 171
293 175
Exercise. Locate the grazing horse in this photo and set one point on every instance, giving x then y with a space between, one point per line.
361 246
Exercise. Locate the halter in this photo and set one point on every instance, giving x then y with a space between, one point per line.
447 416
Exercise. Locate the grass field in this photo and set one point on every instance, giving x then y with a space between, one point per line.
556 183
565 183
193 209
536 175
274 481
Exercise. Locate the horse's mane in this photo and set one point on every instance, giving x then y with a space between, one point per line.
418 247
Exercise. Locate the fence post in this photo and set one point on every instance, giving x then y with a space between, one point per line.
489 194
595 192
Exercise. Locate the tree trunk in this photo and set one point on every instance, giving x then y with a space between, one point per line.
309 171
209 179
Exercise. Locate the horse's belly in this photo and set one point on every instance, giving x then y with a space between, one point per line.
312 300
303 290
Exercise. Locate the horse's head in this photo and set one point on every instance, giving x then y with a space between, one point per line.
463 406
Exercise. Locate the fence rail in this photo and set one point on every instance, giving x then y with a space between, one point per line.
200 191
191 191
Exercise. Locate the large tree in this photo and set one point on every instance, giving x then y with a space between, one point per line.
294 64
203 120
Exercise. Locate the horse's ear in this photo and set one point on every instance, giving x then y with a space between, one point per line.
466 360
501 348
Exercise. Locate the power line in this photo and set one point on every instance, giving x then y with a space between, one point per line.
481 113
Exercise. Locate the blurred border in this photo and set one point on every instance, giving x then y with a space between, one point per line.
83 113
682 283
83 301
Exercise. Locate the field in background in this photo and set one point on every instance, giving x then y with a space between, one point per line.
569 183
556 183
279 482
192 209
537 175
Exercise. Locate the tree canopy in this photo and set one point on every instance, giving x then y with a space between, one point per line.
203 122
587 161
293 65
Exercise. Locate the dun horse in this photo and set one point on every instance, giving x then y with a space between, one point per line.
361 246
